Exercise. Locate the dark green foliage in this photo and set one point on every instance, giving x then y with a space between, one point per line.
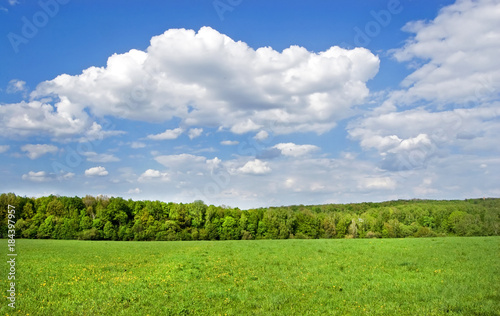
114 218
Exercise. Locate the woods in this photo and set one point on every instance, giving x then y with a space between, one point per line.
114 218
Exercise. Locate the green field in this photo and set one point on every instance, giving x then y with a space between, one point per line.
425 276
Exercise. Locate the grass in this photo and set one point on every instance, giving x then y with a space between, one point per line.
438 276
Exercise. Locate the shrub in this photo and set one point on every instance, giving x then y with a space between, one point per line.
425 232
371 234
89 234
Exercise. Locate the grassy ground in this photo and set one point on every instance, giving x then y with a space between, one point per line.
438 276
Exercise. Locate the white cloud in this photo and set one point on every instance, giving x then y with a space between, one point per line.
460 64
262 135
40 176
293 150
134 191
256 166
204 79
96 171
408 139
16 85
38 150
4 148
153 174
183 162
43 176
96 132
168 134
66 176
13 2
245 127
136 145
377 183
194 132
102 158
229 142
35 118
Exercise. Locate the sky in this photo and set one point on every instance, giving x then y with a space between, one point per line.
250 103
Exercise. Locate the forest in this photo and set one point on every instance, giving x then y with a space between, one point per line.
114 218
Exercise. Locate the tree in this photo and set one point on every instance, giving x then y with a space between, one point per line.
109 231
353 229
229 229
328 226
196 211
56 208
45 230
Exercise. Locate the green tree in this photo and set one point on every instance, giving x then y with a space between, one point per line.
45 230
109 231
56 208
229 229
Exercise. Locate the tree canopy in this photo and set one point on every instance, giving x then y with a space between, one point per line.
114 218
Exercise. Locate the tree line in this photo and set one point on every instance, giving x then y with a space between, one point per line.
114 218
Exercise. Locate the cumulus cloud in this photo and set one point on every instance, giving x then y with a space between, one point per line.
455 85
408 139
294 150
194 132
457 64
36 117
257 167
35 151
134 191
96 171
96 132
168 134
151 174
4 148
262 135
229 142
207 79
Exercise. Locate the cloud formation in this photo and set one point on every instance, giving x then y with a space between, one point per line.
195 132
35 151
456 54
96 172
151 174
293 150
449 103
40 176
168 134
257 167
206 79
16 85
43 176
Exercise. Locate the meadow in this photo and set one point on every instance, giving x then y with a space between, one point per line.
424 276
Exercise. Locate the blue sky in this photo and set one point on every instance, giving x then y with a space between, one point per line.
250 103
